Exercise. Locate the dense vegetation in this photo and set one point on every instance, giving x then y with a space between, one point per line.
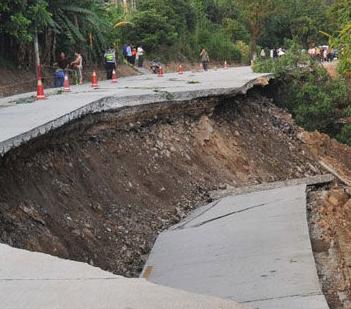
318 101
304 87
166 28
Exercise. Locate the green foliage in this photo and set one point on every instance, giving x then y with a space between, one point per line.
307 90
340 38
345 135
177 28
180 14
244 51
150 29
296 19
218 45
236 30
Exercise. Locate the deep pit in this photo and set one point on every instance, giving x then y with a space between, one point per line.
100 189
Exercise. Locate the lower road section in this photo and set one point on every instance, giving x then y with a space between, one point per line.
253 248
39 281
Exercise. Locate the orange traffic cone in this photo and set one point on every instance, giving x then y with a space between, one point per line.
94 81
180 70
114 77
40 91
66 85
160 72
225 65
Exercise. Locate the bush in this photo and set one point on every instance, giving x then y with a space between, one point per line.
306 90
244 51
218 45
151 30
345 135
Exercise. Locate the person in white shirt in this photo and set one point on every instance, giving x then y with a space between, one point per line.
140 56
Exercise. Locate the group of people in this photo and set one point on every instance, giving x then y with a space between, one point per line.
134 55
273 53
322 53
63 65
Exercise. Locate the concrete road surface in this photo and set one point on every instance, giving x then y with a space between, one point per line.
31 280
254 248
22 121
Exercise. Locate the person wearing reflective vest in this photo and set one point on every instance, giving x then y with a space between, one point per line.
110 62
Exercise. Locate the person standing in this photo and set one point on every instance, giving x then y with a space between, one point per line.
77 65
62 61
62 64
134 55
205 59
129 53
110 62
140 56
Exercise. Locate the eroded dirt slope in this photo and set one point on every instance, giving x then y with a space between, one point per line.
99 191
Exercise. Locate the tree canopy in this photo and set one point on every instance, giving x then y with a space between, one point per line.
166 28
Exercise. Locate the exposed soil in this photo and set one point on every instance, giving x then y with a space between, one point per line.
330 217
100 189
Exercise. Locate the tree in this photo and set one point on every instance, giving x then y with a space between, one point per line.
255 13
297 20
150 29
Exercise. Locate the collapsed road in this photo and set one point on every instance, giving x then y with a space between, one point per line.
95 175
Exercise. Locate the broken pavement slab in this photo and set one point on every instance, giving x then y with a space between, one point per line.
254 248
23 122
39 281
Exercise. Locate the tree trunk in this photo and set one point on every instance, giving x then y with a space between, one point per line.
253 47
125 6
36 54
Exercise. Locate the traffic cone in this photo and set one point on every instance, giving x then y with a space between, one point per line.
114 77
94 81
225 65
160 72
180 70
40 91
66 85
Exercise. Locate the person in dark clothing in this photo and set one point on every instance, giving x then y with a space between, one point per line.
275 53
62 61
62 66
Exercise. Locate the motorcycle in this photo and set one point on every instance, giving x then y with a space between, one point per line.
155 66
